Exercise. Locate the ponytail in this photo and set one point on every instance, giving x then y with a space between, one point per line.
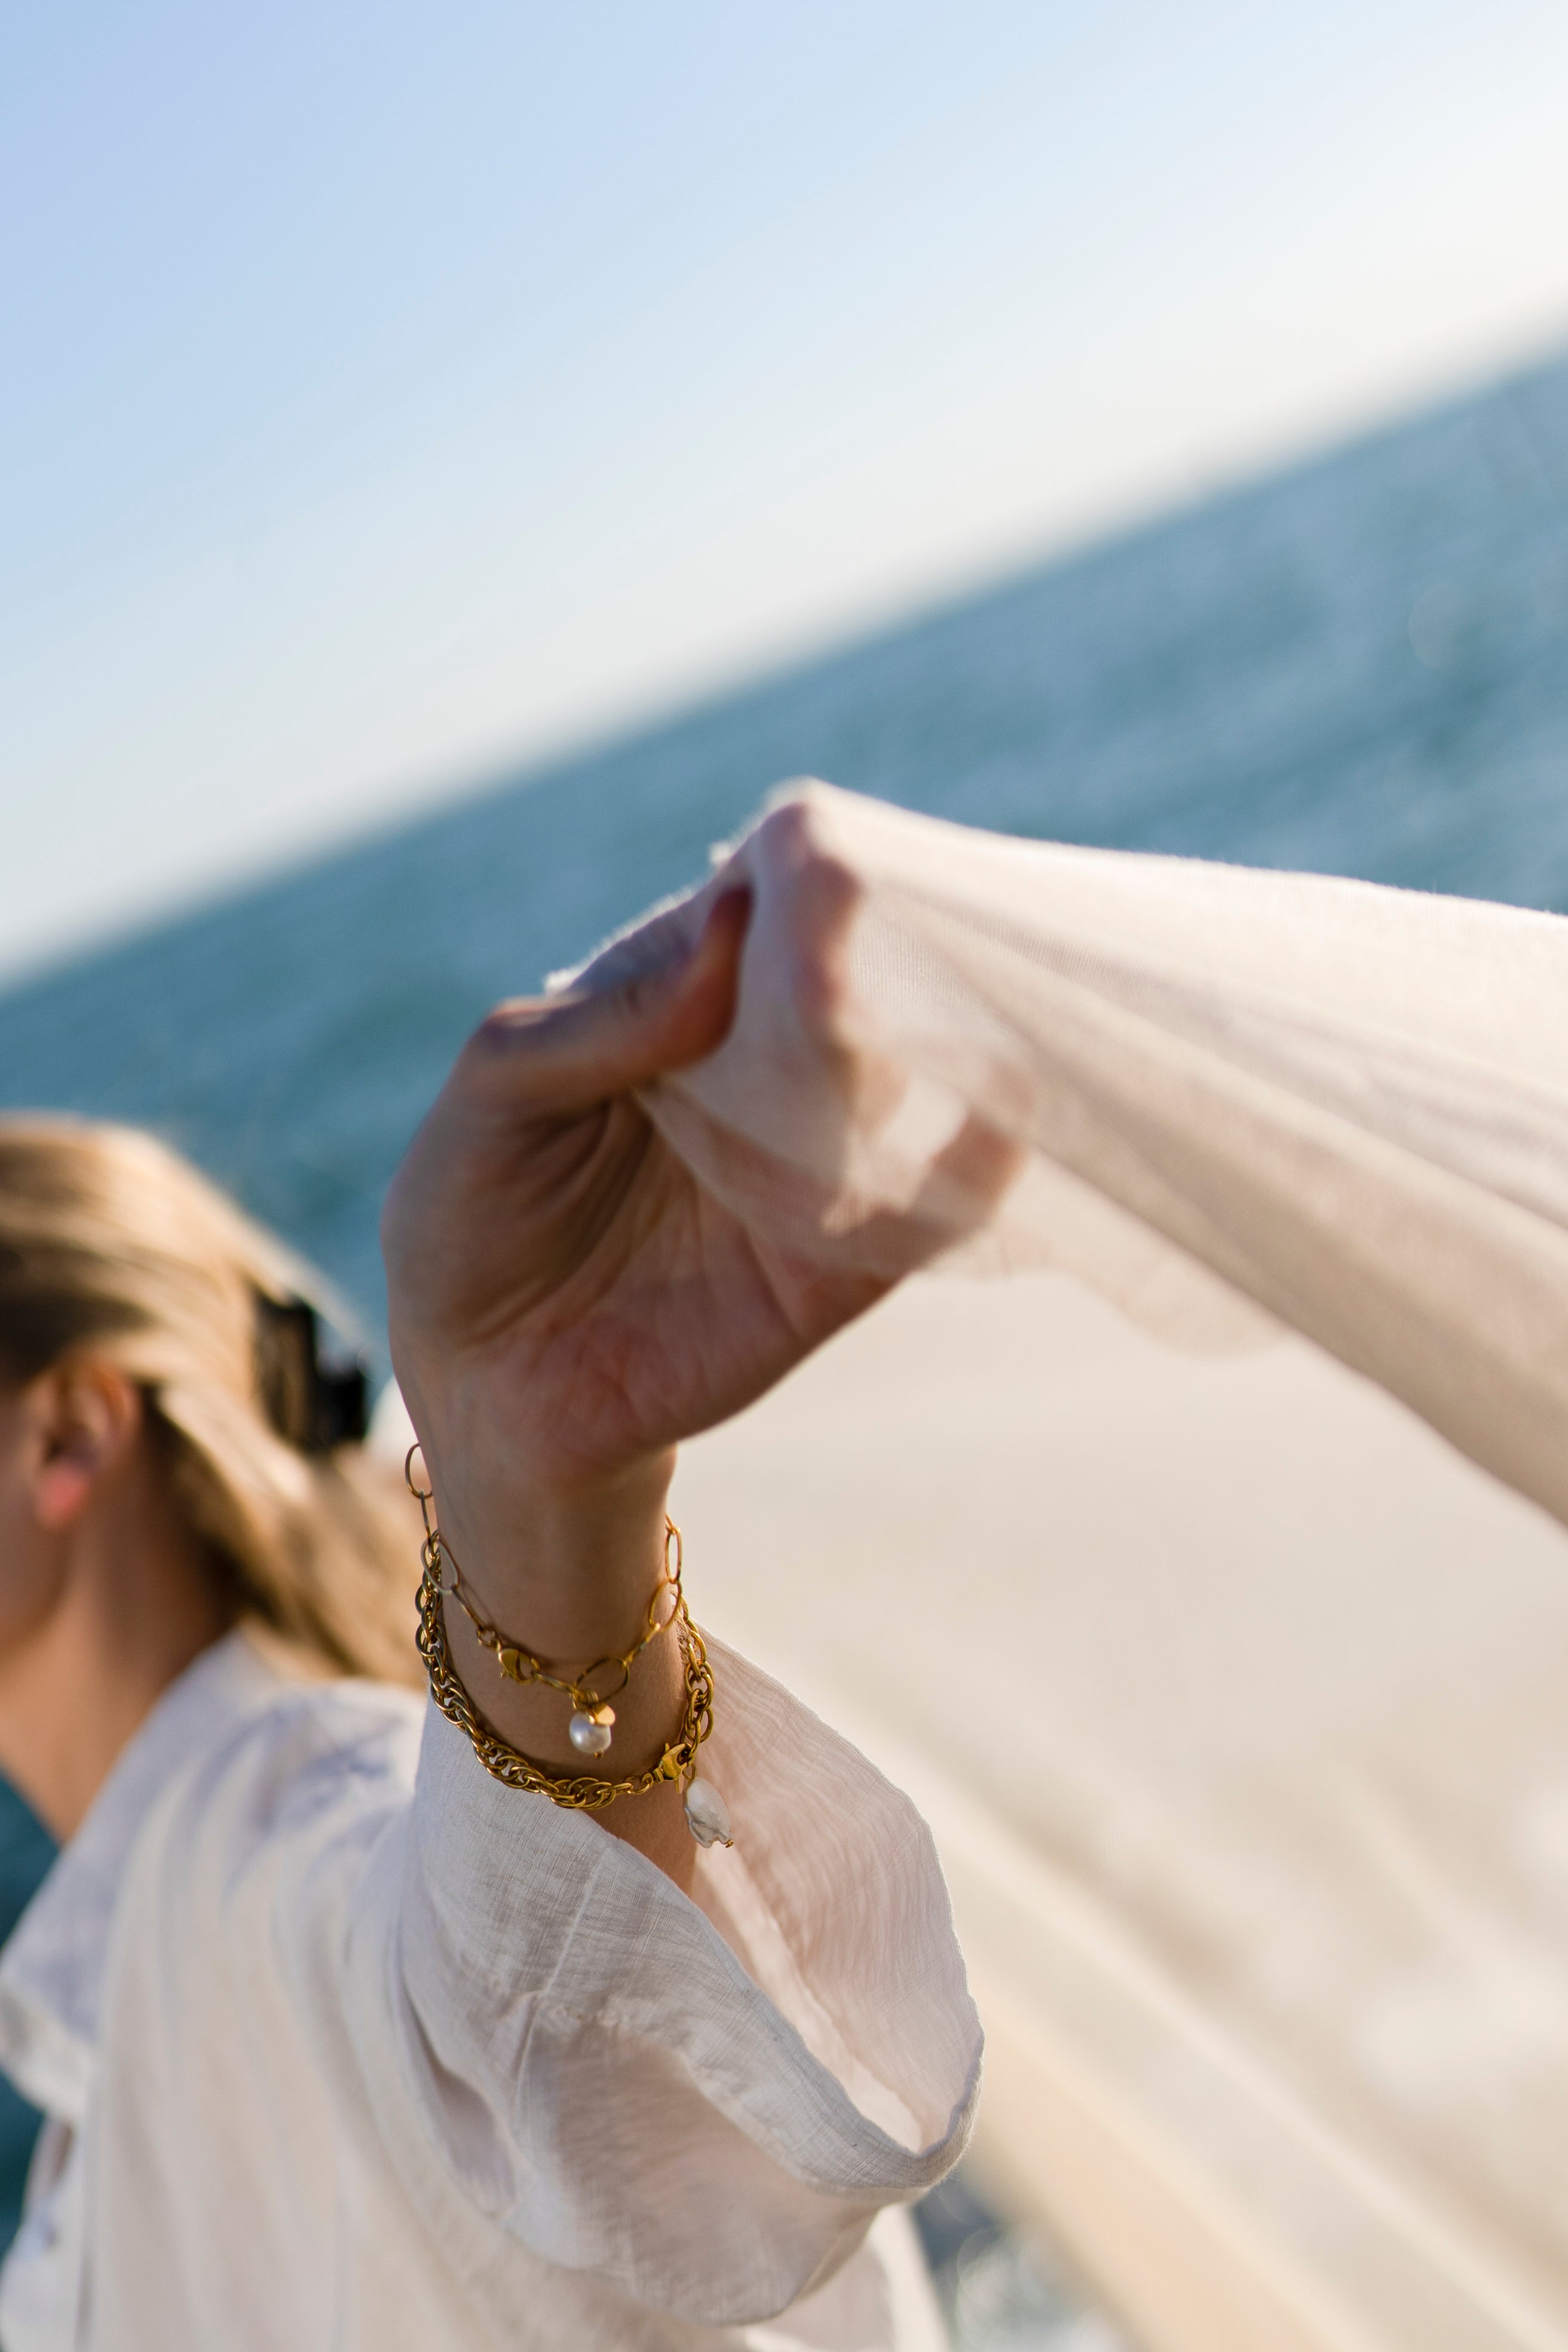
111 1244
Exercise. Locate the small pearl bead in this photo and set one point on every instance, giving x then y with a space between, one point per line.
707 1815
589 1736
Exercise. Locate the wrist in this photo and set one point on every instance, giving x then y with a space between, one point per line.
584 1559
625 1640
568 1567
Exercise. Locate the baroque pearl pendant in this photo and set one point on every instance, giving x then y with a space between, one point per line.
591 1734
707 1815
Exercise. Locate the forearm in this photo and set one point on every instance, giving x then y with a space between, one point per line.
564 1305
566 1573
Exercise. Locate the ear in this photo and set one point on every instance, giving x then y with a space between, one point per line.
85 1417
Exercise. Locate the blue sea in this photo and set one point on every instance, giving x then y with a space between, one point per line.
1358 666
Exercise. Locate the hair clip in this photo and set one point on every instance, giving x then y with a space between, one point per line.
315 1389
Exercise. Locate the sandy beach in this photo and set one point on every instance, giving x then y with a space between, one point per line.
1233 1698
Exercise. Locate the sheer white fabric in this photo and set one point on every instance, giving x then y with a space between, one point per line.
342 2044
1235 1697
1229 1091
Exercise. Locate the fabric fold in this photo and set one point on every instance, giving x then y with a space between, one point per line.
798 2044
1221 1096
471 2069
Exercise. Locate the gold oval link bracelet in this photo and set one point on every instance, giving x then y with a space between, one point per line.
582 1792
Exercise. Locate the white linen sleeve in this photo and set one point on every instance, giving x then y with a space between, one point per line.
705 2102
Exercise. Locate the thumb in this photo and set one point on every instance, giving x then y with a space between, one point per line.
565 1053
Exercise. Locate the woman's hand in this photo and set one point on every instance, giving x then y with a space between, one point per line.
566 1304
563 1292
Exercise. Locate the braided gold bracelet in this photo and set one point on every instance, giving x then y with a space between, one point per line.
591 1727
706 1814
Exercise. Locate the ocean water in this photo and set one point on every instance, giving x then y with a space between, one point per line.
1359 665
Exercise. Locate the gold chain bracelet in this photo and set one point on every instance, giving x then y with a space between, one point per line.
582 1792
591 1726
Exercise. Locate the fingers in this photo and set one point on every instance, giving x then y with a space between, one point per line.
564 1053
961 1188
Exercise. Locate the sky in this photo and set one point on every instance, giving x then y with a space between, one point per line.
392 395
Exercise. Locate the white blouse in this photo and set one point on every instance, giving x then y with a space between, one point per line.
344 2044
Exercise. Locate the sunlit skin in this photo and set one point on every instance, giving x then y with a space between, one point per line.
104 1598
566 1304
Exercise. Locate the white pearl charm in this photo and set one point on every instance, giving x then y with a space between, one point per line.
707 1815
590 1733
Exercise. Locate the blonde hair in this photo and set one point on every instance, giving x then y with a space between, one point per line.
112 1245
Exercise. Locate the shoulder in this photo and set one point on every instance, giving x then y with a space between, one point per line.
269 1866
311 1763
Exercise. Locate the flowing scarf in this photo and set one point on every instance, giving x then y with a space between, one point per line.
1238 1699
